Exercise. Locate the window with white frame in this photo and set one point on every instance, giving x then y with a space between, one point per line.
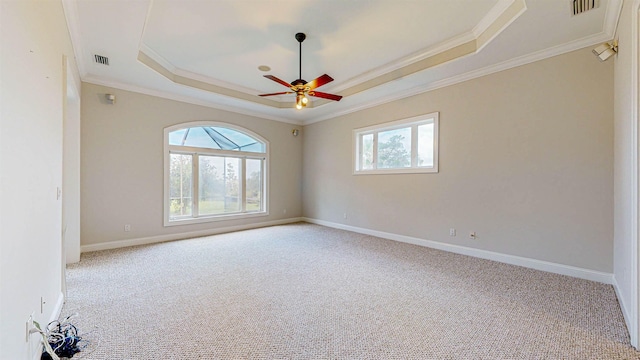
403 146
213 171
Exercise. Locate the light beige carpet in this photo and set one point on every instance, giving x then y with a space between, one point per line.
303 291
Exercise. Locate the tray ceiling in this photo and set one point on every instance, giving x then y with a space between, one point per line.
209 52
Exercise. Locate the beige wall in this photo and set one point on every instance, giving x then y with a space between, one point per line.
34 41
626 157
122 164
526 161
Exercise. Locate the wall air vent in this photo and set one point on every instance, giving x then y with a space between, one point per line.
101 59
580 6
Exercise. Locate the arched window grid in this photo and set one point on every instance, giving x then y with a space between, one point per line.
203 183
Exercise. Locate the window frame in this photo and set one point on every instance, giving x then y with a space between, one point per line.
412 122
195 218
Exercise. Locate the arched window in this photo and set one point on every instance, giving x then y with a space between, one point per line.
213 171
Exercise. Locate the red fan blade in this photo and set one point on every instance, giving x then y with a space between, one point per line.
325 95
271 77
316 83
278 93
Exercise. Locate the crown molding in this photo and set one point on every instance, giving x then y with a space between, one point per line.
523 60
505 65
492 16
185 99
70 9
491 19
493 23
171 68
611 17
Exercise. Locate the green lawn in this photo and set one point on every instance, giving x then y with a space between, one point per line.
210 207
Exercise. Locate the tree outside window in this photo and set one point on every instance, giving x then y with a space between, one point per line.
403 146
228 181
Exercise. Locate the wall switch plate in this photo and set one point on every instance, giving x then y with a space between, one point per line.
29 326
127 227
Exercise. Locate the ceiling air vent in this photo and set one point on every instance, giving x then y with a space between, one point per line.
580 6
101 59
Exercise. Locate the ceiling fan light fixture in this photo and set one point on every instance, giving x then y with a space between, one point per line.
301 87
298 102
301 101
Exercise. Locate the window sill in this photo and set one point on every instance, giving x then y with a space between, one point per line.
214 218
397 171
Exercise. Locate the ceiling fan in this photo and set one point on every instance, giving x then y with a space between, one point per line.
302 88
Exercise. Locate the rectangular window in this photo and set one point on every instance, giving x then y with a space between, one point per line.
254 185
232 185
226 185
426 149
367 152
219 185
180 185
394 148
403 146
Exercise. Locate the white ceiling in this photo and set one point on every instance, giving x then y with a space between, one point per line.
208 52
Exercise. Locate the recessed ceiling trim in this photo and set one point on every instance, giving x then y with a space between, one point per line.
429 62
501 22
406 61
492 16
503 13
183 80
148 52
523 60
505 65
500 16
84 61
186 99
156 58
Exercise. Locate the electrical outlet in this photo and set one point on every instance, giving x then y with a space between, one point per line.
127 227
345 215
452 232
284 211
472 235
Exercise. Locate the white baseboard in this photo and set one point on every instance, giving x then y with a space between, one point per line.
627 312
561 269
547 266
185 235
623 306
58 308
